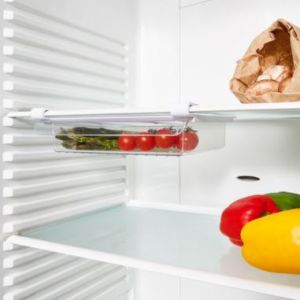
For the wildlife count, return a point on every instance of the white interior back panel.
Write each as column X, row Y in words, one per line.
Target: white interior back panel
column 209, row 37
column 215, row 34
column 158, row 85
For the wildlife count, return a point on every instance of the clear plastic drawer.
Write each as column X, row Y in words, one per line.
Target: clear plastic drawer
column 174, row 139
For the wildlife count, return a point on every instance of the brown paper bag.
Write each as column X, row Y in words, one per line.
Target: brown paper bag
column 278, row 45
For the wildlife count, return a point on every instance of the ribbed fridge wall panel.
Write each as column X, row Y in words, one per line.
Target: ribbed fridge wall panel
column 39, row 156
column 65, row 276
column 24, row 53
column 15, row 33
column 17, row 48
column 27, row 187
column 14, row 189
column 25, row 102
column 14, row 123
column 41, row 217
column 37, row 129
column 27, row 87
column 64, row 168
column 50, row 23
column 94, row 284
column 52, row 277
column 19, row 139
column 77, row 280
column 52, row 75
column 60, row 63
column 22, row 256
column 36, row 268
column 15, row 208
column 53, row 89
column 50, row 62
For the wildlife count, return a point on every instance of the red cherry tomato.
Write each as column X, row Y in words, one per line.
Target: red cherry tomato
column 145, row 141
column 165, row 138
column 188, row 141
column 126, row 142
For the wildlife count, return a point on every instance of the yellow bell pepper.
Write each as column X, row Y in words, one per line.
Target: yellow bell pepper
column 272, row 243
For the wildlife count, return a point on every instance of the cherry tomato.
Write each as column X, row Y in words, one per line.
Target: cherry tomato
column 145, row 141
column 188, row 141
column 165, row 138
column 126, row 142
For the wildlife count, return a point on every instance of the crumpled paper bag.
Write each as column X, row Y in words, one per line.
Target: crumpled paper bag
column 278, row 45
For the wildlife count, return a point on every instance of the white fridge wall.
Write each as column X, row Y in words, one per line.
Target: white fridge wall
column 157, row 178
column 192, row 290
column 152, row 286
column 34, row 184
column 112, row 18
column 267, row 150
column 215, row 34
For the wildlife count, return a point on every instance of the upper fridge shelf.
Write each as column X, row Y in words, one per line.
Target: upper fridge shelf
column 185, row 112
column 170, row 241
column 131, row 132
column 249, row 112
column 182, row 130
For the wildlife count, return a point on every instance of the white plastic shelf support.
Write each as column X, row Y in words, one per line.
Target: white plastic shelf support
column 182, row 244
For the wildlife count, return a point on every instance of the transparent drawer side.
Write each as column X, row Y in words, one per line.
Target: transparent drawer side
column 173, row 138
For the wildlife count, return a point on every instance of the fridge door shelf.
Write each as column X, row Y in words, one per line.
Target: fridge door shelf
column 180, row 243
column 169, row 138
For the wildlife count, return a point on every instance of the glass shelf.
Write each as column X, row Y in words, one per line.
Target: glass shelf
column 184, row 244
column 248, row 112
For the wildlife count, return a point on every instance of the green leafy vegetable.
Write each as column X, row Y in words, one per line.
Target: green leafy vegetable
column 82, row 138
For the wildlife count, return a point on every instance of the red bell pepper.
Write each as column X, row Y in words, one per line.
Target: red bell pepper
column 242, row 211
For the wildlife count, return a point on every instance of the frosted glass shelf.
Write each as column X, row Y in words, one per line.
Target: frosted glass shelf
column 249, row 112
column 183, row 244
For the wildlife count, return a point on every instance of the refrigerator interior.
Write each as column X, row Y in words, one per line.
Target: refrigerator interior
column 151, row 54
